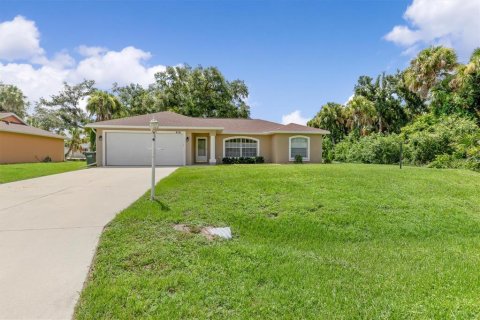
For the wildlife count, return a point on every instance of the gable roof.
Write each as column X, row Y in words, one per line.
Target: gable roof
column 24, row 128
column 172, row 120
column 4, row 115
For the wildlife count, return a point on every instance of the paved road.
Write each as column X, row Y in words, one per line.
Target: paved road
column 49, row 229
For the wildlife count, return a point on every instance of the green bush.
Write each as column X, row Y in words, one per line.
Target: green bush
column 298, row 159
column 375, row 148
column 429, row 137
column 243, row 160
column 327, row 151
column 439, row 142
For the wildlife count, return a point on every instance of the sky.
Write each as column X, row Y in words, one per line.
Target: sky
column 294, row 55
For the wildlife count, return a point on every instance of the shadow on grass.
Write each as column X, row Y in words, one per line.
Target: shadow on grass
column 162, row 205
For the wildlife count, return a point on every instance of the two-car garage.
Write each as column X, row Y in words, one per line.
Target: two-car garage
column 134, row 148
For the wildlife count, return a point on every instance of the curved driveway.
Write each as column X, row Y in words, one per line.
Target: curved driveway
column 49, row 229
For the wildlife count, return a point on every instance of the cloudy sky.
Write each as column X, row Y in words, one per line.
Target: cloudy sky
column 294, row 55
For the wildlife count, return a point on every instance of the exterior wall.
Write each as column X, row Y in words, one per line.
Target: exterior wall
column 274, row 148
column 265, row 146
column 17, row 148
column 190, row 144
column 280, row 147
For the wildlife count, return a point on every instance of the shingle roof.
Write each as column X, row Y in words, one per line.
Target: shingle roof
column 227, row 125
column 24, row 129
column 4, row 115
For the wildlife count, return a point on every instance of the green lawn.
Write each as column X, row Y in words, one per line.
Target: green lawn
column 310, row 241
column 21, row 171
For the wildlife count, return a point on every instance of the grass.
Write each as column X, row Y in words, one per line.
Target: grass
column 310, row 241
column 22, row 171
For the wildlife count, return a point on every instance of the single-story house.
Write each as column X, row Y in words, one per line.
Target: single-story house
column 20, row 142
column 183, row 140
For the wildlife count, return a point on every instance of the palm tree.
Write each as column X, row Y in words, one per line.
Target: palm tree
column 333, row 118
column 104, row 106
column 76, row 139
column 428, row 68
column 361, row 115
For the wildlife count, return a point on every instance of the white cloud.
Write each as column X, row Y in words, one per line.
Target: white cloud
column 87, row 51
column 123, row 67
column 20, row 39
column 294, row 117
column 25, row 64
column 454, row 23
column 34, row 82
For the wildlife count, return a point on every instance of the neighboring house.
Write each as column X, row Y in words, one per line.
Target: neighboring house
column 20, row 142
column 183, row 140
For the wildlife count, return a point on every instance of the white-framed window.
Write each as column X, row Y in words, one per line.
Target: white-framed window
column 299, row 145
column 236, row 147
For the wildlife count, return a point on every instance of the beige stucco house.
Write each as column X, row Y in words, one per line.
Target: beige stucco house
column 20, row 142
column 183, row 140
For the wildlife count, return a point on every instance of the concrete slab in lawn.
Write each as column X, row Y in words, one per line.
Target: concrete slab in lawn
column 49, row 229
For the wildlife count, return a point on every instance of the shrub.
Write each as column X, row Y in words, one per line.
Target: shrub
column 259, row 159
column 47, row 159
column 375, row 148
column 298, row 159
column 242, row 160
column 327, row 151
column 440, row 142
column 429, row 137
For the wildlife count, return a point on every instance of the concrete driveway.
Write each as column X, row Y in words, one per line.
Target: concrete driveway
column 49, row 229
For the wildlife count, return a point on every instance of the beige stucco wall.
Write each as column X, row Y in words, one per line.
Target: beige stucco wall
column 280, row 147
column 17, row 148
column 265, row 145
column 274, row 148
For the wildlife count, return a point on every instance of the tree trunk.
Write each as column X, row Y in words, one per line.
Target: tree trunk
column 69, row 150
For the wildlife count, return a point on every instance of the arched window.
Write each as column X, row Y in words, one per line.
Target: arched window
column 299, row 145
column 237, row 147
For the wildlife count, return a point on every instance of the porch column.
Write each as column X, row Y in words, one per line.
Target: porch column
column 212, row 149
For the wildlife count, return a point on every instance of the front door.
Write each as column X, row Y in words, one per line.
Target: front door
column 201, row 154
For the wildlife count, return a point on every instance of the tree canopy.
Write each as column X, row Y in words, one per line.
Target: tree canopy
column 13, row 100
column 370, row 127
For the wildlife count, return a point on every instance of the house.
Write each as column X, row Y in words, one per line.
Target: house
column 183, row 140
column 20, row 142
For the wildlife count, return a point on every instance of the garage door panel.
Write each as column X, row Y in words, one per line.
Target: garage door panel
column 134, row 149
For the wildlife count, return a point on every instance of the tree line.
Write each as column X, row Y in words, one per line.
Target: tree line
column 432, row 107
column 191, row 91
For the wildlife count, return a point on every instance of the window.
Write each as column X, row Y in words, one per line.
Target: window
column 299, row 146
column 240, row 147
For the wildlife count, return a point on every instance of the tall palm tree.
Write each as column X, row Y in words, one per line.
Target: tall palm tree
column 361, row 115
column 428, row 68
column 333, row 118
column 104, row 106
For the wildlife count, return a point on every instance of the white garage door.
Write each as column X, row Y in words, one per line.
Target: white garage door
column 135, row 149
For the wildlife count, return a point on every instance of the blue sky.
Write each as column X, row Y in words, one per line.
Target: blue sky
column 293, row 55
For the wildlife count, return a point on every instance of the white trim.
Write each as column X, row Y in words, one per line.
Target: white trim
column 213, row 141
column 242, row 137
column 290, row 147
column 196, row 149
column 299, row 132
column 104, row 141
column 125, row 127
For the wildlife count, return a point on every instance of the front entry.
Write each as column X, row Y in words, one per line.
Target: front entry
column 201, row 152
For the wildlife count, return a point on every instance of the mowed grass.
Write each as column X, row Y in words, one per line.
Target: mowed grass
column 310, row 242
column 22, row 171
